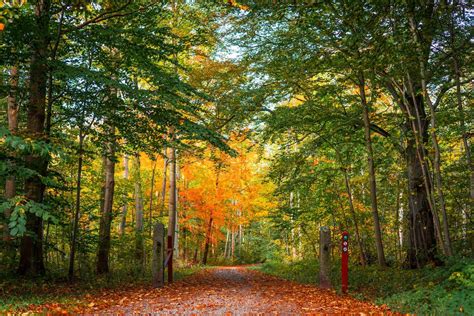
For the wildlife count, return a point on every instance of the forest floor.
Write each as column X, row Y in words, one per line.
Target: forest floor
column 228, row 291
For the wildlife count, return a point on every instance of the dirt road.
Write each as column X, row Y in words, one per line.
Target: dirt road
column 237, row 291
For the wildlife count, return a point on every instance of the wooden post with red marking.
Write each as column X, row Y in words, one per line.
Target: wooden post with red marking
column 345, row 261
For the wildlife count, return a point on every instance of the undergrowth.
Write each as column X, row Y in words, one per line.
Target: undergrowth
column 446, row 290
column 18, row 293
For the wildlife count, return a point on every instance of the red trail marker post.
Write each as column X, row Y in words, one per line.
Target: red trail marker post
column 345, row 261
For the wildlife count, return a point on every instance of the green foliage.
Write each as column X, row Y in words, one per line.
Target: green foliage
column 447, row 290
column 19, row 208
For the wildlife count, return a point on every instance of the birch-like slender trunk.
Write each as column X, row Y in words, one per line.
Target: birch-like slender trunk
column 360, row 242
column 137, row 179
column 372, row 182
column 152, row 189
column 77, row 210
column 107, row 205
column 126, row 171
column 171, row 210
column 163, row 186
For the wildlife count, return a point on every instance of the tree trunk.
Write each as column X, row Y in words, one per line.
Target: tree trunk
column 158, row 256
column 152, row 188
column 398, row 226
column 139, row 246
column 363, row 256
column 107, row 206
column 373, row 185
column 232, row 244
column 468, row 233
column 208, row 240
column 123, row 222
column 226, row 245
column 31, row 248
column 163, row 186
column 12, row 115
column 421, row 234
column 437, row 171
column 437, row 157
column 172, row 207
column 77, row 210
column 324, row 257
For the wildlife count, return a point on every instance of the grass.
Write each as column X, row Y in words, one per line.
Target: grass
column 446, row 290
column 16, row 294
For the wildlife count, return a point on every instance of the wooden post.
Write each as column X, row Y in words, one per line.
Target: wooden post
column 158, row 255
column 324, row 257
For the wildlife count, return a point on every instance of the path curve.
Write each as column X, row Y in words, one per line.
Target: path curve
column 239, row 291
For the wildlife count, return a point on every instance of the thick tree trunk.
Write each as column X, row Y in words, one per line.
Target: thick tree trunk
column 421, row 236
column 77, row 210
column 437, row 156
column 123, row 222
column 107, row 206
column 373, row 185
column 31, row 248
column 437, row 171
column 139, row 246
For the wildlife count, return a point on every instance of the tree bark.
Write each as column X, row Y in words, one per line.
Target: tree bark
column 123, row 222
column 208, row 240
column 324, row 257
column 226, row 245
column 139, row 246
column 421, row 235
column 363, row 256
column 12, row 116
column 434, row 139
column 152, row 188
column 467, row 153
column 437, row 171
column 107, row 207
column 77, row 210
column 373, row 184
column 163, row 186
column 172, row 206
column 31, row 248
column 158, row 256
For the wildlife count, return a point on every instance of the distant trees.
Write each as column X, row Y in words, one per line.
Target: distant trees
column 95, row 79
column 314, row 59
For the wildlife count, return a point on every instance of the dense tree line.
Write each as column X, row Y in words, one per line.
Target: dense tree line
column 119, row 114
column 368, row 105
column 84, row 83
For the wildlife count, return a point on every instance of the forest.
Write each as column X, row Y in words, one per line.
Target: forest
column 245, row 130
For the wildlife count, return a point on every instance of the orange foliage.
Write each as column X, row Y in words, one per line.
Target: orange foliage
column 222, row 187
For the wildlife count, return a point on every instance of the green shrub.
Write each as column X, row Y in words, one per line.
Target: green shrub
column 446, row 290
